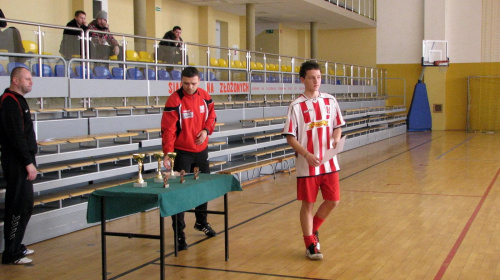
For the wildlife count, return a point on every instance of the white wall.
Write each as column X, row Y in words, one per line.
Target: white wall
column 400, row 31
column 401, row 28
column 463, row 30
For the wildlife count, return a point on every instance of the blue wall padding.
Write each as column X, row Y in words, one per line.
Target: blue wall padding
column 419, row 115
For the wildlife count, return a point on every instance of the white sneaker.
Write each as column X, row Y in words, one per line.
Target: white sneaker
column 313, row 253
column 28, row 252
column 24, row 260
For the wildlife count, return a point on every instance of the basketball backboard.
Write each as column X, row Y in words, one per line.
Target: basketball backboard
column 435, row 53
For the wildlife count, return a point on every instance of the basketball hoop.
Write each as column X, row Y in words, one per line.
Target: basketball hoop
column 442, row 64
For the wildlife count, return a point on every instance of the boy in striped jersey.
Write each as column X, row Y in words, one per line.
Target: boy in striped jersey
column 312, row 127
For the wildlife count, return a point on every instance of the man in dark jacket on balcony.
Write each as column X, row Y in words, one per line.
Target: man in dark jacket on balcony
column 71, row 42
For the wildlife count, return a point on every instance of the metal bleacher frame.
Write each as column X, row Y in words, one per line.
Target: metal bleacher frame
column 137, row 104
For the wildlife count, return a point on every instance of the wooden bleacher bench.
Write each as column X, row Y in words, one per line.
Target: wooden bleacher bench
column 255, row 121
column 219, row 143
column 251, row 166
column 264, row 152
column 143, row 106
column 261, row 136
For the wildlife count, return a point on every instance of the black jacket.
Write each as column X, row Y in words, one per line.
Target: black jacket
column 17, row 135
column 169, row 36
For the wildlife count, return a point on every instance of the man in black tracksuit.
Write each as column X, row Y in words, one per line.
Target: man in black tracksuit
column 19, row 147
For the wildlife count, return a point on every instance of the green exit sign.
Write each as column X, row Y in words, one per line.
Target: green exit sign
column 158, row 9
column 269, row 31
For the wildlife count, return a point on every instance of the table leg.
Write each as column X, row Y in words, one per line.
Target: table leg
column 162, row 249
column 226, row 233
column 176, row 238
column 103, row 239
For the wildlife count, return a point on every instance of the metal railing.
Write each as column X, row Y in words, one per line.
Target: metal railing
column 366, row 8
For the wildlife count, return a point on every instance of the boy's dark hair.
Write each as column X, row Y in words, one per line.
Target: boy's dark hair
column 176, row 27
column 308, row 65
column 77, row 13
column 190, row 72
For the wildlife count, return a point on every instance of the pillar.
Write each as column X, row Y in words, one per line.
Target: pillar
column 250, row 26
column 314, row 40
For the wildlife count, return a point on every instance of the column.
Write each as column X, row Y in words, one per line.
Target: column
column 314, row 40
column 250, row 26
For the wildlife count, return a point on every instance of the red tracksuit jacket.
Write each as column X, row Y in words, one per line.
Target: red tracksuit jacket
column 184, row 117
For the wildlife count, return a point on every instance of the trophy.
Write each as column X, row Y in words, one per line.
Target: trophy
column 182, row 176
column 140, row 159
column 196, row 173
column 171, row 156
column 159, row 157
column 165, row 179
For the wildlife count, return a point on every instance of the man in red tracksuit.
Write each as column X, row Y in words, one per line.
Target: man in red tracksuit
column 188, row 119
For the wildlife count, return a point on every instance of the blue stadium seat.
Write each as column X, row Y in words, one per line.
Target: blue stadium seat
column 2, row 71
column 13, row 65
column 46, row 70
column 175, row 75
column 59, row 70
column 202, row 77
column 150, row 73
column 102, row 72
column 117, row 73
column 212, row 76
column 80, row 74
column 256, row 78
column 163, row 75
column 134, row 74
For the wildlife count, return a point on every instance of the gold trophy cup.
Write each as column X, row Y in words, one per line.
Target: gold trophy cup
column 140, row 159
column 172, row 156
column 159, row 157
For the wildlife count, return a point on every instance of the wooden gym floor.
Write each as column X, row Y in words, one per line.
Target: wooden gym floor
column 416, row 206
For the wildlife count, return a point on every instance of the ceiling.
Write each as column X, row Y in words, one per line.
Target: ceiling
column 296, row 14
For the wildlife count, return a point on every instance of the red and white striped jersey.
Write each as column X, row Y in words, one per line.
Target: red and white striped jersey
column 312, row 122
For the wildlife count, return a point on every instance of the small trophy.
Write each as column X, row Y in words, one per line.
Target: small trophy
column 159, row 157
column 140, row 159
column 182, row 176
column 172, row 156
column 165, row 179
column 196, row 173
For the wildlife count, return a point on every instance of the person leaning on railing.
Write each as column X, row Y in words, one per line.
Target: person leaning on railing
column 10, row 40
column 71, row 44
column 103, row 45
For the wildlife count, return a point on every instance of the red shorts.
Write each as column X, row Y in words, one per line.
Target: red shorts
column 308, row 187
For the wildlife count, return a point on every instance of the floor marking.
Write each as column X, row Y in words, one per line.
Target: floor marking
column 464, row 232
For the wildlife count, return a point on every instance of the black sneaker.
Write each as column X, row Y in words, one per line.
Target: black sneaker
column 181, row 244
column 207, row 229
column 313, row 253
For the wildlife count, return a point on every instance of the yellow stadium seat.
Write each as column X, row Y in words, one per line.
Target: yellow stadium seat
column 132, row 55
column 3, row 50
column 297, row 69
column 253, row 66
column 289, row 68
column 238, row 64
column 330, row 71
column 244, row 64
column 214, row 62
column 222, row 62
column 283, row 68
column 113, row 57
column 260, row 66
column 233, row 65
column 144, row 57
column 30, row 46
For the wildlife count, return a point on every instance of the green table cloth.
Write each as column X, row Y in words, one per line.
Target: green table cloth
column 126, row 199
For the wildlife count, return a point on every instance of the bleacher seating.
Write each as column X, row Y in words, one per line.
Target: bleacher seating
column 2, row 71
column 46, row 70
column 134, row 74
column 150, row 74
column 12, row 65
column 175, row 75
column 101, row 72
column 163, row 75
column 117, row 73
column 80, row 74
